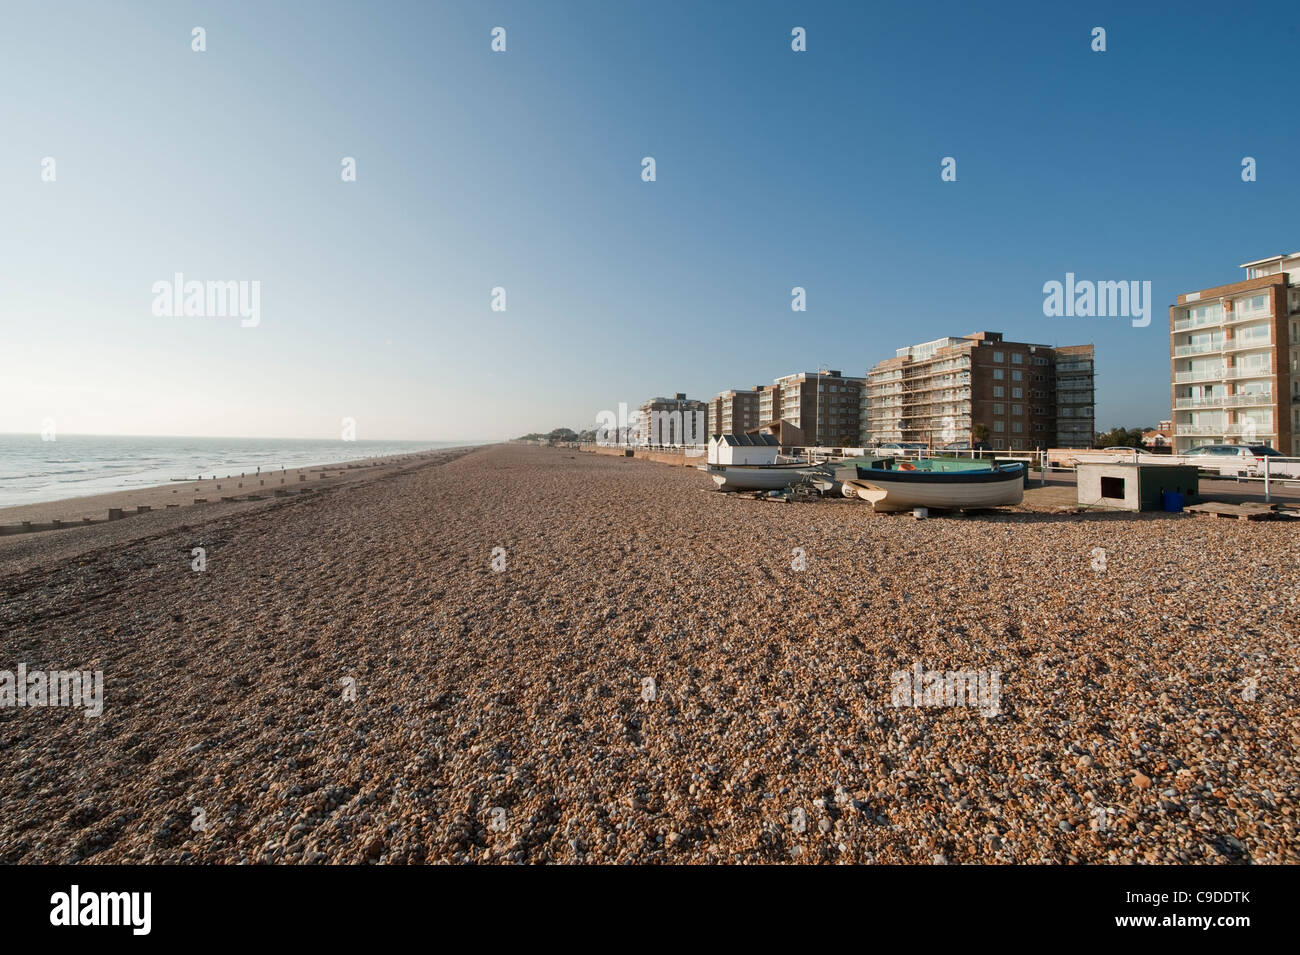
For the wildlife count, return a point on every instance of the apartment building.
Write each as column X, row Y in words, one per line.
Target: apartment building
column 672, row 421
column 1233, row 353
column 1011, row 395
column 1075, row 397
column 769, row 404
column 823, row 405
column 734, row 412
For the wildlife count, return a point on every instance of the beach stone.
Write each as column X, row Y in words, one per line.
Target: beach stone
column 520, row 690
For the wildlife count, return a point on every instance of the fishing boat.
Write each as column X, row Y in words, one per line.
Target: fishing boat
column 764, row 477
column 938, row 483
column 834, row 477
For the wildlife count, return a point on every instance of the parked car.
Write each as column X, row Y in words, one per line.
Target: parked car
column 1241, row 460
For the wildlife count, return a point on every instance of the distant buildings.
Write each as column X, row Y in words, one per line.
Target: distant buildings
column 803, row 409
column 822, row 406
column 672, row 421
column 1161, row 437
column 981, row 389
column 734, row 412
column 1233, row 360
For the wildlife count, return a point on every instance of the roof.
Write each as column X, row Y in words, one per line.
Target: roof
column 1271, row 258
column 748, row 440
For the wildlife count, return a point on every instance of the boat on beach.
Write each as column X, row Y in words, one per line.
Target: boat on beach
column 754, row 462
column 834, row 476
column 765, row 477
column 938, row 483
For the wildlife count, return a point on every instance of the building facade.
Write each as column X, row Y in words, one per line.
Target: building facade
column 734, row 412
column 672, row 422
column 1075, row 396
column 769, row 404
column 1010, row 395
column 1160, row 437
column 1233, row 360
column 823, row 406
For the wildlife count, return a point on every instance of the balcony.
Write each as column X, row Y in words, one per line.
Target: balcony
column 1224, row 345
column 1221, row 374
column 1231, row 318
column 1199, row 431
column 1183, row 324
column 1181, row 351
column 1226, row 401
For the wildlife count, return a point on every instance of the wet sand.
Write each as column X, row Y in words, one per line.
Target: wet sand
column 209, row 490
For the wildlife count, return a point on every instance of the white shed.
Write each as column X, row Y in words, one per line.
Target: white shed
column 743, row 449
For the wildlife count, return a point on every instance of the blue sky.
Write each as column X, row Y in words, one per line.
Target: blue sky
column 522, row 170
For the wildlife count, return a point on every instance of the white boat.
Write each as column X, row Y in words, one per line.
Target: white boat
column 762, row 477
column 834, row 479
column 941, row 484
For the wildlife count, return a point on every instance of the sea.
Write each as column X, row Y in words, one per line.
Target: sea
column 33, row 470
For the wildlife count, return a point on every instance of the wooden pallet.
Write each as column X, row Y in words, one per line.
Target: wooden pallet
column 1248, row 511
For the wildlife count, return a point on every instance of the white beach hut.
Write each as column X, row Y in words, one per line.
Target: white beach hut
column 743, row 449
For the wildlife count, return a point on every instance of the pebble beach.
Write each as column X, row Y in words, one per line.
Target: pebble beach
column 534, row 655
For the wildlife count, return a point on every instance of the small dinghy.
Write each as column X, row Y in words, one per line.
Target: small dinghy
column 764, row 477
column 833, row 476
column 938, row 483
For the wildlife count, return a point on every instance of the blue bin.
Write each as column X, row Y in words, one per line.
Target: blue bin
column 1171, row 501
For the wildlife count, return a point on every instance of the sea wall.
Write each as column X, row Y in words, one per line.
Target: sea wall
column 678, row 458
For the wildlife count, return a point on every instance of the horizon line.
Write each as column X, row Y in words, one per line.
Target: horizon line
column 248, row 437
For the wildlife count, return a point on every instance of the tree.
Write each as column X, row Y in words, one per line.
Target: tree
column 1121, row 438
column 554, row 435
column 979, row 434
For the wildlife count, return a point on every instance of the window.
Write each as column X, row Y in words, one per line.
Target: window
column 999, row 426
column 1255, row 303
column 1017, row 409
column 1017, row 392
column 997, row 374
column 1017, row 375
column 1017, row 426
column 999, row 444
column 997, row 356
column 1017, row 358
column 997, row 391
column 999, row 408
